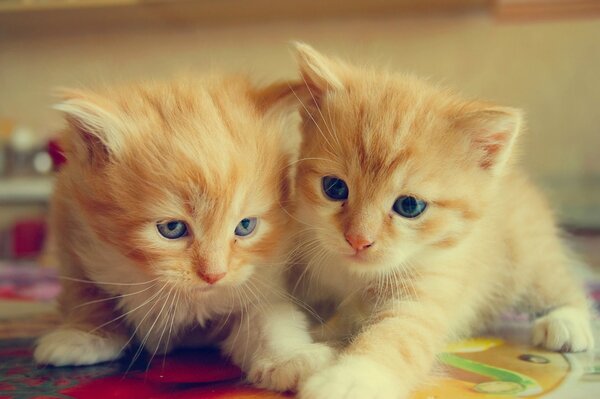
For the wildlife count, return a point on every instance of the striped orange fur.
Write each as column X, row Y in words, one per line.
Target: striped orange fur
column 487, row 240
column 208, row 152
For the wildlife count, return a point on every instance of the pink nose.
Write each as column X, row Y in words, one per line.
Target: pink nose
column 211, row 278
column 358, row 242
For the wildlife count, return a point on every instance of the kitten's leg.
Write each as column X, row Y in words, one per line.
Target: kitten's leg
column 78, row 340
column 391, row 356
column 546, row 280
column 565, row 325
column 333, row 330
column 341, row 326
column 564, row 329
column 271, row 343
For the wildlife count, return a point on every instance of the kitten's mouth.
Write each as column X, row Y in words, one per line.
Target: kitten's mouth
column 364, row 260
column 205, row 288
column 360, row 257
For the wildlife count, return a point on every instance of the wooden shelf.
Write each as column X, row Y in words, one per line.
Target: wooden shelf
column 232, row 6
column 40, row 5
column 78, row 18
column 545, row 9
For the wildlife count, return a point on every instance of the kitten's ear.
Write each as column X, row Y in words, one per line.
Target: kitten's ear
column 278, row 102
column 492, row 133
column 278, row 97
column 318, row 72
column 93, row 136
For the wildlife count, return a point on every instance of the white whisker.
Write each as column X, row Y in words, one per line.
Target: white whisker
column 104, row 282
column 114, row 297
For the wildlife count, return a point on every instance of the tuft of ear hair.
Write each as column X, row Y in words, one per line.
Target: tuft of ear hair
column 318, row 72
column 94, row 126
column 492, row 132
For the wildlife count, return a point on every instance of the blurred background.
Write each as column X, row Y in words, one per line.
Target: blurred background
column 539, row 55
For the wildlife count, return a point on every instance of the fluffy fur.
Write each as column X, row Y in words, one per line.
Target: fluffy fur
column 486, row 242
column 203, row 151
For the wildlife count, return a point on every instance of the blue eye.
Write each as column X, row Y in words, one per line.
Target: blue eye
column 245, row 227
column 409, row 207
column 172, row 229
column 336, row 189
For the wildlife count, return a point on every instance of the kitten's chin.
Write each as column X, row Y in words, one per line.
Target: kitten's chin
column 367, row 264
column 363, row 263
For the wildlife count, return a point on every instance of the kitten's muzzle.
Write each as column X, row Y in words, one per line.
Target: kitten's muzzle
column 209, row 270
column 211, row 278
column 358, row 242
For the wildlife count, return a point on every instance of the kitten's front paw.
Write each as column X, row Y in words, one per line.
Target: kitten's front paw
column 284, row 372
column 73, row 347
column 353, row 377
column 564, row 329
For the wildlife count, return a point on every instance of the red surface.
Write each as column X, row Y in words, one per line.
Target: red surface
column 188, row 374
column 189, row 367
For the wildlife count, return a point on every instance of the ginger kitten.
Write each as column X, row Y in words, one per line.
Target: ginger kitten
column 418, row 227
column 168, row 228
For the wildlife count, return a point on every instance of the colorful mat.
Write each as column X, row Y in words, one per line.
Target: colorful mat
column 503, row 366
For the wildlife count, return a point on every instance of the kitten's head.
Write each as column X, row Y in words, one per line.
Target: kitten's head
column 183, row 178
column 391, row 166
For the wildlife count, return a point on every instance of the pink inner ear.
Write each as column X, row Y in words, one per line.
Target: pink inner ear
column 313, row 94
column 96, row 150
column 491, row 145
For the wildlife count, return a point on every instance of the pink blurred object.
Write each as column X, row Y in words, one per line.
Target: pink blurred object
column 27, row 281
column 27, row 238
column 56, row 154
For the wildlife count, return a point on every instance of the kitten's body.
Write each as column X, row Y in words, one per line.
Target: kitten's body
column 198, row 151
column 404, row 286
column 488, row 261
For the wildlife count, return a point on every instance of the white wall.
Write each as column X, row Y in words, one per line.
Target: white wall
column 550, row 69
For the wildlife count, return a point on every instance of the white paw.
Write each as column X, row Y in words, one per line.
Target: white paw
column 354, row 377
column 564, row 329
column 73, row 347
column 284, row 372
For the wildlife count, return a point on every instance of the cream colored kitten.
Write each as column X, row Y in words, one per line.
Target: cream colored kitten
column 418, row 227
column 168, row 227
